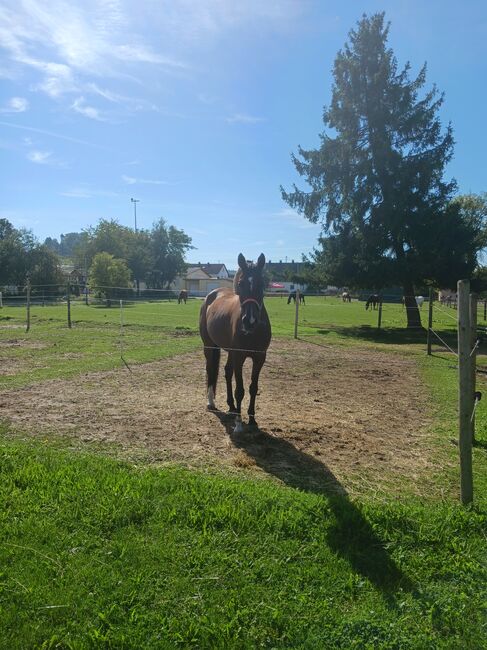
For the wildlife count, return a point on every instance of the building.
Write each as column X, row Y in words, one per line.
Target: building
column 200, row 279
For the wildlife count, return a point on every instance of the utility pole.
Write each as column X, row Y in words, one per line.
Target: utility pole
column 135, row 201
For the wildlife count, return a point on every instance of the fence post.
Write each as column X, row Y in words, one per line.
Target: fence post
column 473, row 358
column 1, row 300
column 28, row 304
column 121, row 329
column 379, row 320
column 430, row 321
column 296, row 316
column 485, row 309
column 69, row 305
column 465, row 392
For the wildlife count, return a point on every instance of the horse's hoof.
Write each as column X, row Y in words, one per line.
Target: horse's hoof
column 252, row 422
column 211, row 407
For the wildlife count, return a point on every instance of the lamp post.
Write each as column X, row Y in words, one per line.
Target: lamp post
column 135, row 201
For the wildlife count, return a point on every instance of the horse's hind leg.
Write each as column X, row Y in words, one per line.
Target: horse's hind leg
column 228, row 378
column 212, row 365
column 258, row 362
column 238, row 361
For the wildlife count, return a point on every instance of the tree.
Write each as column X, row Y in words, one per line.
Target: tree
column 168, row 248
column 21, row 254
column 106, row 271
column 376, row 181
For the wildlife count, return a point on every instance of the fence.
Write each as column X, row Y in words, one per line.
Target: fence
column 386, row 312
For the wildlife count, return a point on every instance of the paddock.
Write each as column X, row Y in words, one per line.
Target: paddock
column 358, row 413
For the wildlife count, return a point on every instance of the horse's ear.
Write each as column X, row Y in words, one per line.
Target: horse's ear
column 261, row 261
column 242, row 262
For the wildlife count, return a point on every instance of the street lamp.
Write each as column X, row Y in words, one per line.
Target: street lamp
column 135, row 201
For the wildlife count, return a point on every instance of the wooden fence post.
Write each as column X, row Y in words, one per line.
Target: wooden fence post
column 68, row 297
column 485, row 309
column 465, row 392
column 296, row 316
column 430, row 321
column 379, row 319
column 28, row 304
column 1, row 300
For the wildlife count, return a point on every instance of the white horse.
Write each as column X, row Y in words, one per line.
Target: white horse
column 419, row 301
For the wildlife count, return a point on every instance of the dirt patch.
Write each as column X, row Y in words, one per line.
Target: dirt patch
column 22, row 343
column 327, row 416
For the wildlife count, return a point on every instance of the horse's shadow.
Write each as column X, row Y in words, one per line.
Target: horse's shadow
column 350, row 536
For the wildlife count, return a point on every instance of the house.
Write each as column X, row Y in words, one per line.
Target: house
column 200, row 279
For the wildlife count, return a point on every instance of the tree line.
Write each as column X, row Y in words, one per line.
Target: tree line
column 109, row 254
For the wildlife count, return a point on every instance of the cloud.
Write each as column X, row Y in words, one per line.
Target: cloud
column 69, row 43
column 85, row 192
column 39, row 157
column 51, row 134
column 80, row 106
column 130, row 180
column 244, row 118
column 15, row 105
column 293, row 218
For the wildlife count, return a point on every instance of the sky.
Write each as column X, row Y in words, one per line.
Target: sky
column 194, row 107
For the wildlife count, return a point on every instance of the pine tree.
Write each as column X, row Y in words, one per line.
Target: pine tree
column 377, row 183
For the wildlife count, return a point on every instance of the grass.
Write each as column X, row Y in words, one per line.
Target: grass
column 97, row 552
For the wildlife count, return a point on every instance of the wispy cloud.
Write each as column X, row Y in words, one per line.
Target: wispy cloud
column 15, row 105
column 85, row 192
column 51, row 134
column 68, row 43
column 244, row 118
column 130, row 180
column 291, row 217
column 39, row 157
column 80, row 106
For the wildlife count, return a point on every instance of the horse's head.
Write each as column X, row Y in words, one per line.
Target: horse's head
column 249, row 286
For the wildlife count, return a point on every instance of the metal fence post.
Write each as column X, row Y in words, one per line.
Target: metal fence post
column 465, row 392
column 68, row 297
column 28, row 304
column 296, row 316
column 430, row 321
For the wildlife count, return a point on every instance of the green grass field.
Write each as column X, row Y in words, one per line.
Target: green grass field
column 102, row 552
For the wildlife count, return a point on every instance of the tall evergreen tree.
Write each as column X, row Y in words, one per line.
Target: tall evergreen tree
column 377, row 183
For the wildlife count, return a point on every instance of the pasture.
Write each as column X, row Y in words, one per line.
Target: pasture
column 135, row 518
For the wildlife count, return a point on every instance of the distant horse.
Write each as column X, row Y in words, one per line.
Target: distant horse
column 183, row 295
column 373, row 301
column 236, row 321
column 346, row 297
column 419, row 301
column 292, row 296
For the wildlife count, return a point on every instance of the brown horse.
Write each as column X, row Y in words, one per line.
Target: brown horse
column 373, row 301
column 236, row 321
column 183, row 295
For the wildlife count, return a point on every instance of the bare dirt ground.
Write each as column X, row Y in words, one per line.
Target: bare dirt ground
column 328, row 417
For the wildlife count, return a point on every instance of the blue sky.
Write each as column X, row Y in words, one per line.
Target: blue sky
column 194, row 107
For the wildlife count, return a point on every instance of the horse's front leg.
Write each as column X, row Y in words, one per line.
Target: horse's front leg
column 258, row 362
column 228, row 378
column 238, row 361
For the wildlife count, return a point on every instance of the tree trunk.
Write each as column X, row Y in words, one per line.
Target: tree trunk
column 412, row 309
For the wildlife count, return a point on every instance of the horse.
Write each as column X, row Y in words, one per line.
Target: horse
column 419, row 301
column 346, row 297
column 236, row 321
column 372, row 301
column 292, row 296
column 183, row 295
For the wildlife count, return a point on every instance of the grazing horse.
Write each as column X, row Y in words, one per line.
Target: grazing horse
column 346, row 297
column 372, row 301
column 236, row 321
column 419, row 301
column 183, row 295
column 292, row 296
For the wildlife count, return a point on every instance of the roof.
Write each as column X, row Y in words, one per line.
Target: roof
column 211, row 269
